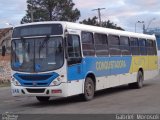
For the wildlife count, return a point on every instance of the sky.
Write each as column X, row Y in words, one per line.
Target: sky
column 124, row 13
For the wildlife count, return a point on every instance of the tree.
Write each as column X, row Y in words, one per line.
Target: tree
column 90, row 21
column 106, row 24
column 51, row 10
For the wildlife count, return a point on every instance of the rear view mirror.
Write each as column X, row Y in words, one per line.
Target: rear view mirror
column 3, row 50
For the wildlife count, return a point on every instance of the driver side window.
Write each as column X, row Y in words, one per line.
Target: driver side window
column 74, row 51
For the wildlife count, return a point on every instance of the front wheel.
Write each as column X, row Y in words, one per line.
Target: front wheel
column 89, row 89
column 42, row 99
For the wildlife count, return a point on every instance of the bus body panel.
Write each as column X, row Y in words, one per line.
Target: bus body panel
column 114, row 71
column 100, row 67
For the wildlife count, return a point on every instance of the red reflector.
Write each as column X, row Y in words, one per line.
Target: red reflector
column 56, row 91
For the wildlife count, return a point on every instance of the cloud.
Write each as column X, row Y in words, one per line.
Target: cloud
column 124, row 13
column 12, row 11
column 89, row 4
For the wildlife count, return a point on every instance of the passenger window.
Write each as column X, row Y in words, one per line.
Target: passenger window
column 134, row 46
column 150, row 48
column 158, row 41
column 154, row 47
column 124, row 45
column 114, row 45
column 142, row 46
column 74, row 51
column 101, row 46
column 88, row 44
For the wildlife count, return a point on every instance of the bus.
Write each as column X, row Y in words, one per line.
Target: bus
column 62, row 59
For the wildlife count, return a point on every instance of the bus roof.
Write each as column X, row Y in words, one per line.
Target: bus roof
column 77, row 26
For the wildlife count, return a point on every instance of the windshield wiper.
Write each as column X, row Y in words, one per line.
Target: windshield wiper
column 23, row 40
column 44, row 43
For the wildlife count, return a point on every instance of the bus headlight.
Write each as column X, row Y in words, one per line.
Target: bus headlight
column 15, row 82
column 56, row 82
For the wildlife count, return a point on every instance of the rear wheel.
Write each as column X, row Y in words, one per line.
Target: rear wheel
column 42, row 99
column 89, row 89
column 139, row 83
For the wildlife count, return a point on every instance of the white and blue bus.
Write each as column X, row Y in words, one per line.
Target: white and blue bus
column 61, row 59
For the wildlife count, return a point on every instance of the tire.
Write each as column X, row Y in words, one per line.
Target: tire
column 89, row 89
column 139, row 83
column 140, row 79
column 42, row 99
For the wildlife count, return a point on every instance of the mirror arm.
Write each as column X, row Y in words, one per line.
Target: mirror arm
column 66, row 47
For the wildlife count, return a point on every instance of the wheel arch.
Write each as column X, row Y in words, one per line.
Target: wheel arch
column 91, row 75
column 141, row 69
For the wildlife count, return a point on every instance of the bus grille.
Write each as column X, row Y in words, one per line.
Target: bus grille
column 35, row 90
column 37, row 84
column 35, row 77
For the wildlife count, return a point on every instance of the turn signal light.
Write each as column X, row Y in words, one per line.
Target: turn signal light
column 56, row 91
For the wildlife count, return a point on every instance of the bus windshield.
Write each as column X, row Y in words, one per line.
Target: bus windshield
column 37, row 54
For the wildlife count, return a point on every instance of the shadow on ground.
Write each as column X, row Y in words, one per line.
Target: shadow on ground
column 78, row 99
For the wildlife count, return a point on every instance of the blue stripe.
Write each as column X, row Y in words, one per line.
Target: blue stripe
column 100, row 66
column 35, row 83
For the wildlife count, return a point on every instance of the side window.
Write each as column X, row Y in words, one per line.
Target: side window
column 74, row 51
column 154, row 47
column 114, row 45
column 101, row 46
column 158, row 41
column 124, row 45
column 150, row 48
column 142, row 46
column 134, row 46
column 88, row 44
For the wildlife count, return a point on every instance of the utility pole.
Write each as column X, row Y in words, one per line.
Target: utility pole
column 142, row 22
column 99, row 14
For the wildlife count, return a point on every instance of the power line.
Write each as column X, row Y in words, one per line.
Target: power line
column 99, row 14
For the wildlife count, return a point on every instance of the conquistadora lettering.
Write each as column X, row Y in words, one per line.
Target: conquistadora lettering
column 107, row 65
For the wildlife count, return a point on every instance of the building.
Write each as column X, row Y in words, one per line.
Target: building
column 5, row 38
column 155, row 31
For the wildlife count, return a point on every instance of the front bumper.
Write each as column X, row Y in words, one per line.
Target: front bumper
column 40, row 91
